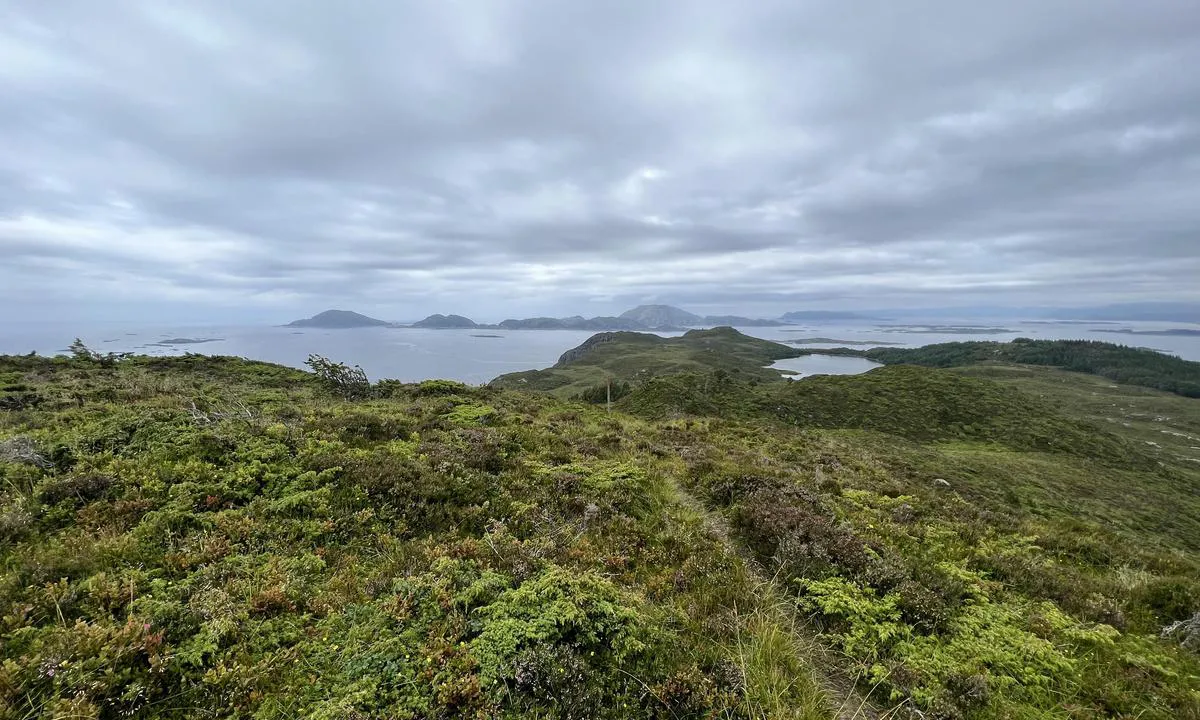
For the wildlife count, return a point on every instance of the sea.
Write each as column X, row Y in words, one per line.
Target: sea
column 477, row 356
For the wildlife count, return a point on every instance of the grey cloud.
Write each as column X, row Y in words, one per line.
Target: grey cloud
column 267, row 155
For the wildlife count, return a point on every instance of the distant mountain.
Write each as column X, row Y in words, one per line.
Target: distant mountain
column 338, row 319
column 820, row 315
column 537, row 323
column 608, row 322
column 576, row 322
column 439, row 321
column 739, row 321
column 641, row 318
column 662, row 316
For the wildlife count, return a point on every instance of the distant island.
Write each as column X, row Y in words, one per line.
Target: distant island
column 719, row 320
column 578, row 322
column 458, row 322
column 446, row 321
column 1174, row 332
column 945, row 329
column 661, row 318
column 820, row 316
column 834, row 341
column 641, row 318
column 337, row 320
column 171, row 342
column 666, row 316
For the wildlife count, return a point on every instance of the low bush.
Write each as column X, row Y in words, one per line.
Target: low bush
column 348, row 382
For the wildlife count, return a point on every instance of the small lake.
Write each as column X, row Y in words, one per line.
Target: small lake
column 824, row 365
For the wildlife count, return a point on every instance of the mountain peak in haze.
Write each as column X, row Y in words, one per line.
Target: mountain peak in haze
column 337, row 319
column 439, row 321
column 659, row 316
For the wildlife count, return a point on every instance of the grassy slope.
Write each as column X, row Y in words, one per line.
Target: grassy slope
column 1166, row 424
column 913, row 402
column 442, row 551
column 1059, row 521
column 978, row 600
column 628, row 356
column 202, row 537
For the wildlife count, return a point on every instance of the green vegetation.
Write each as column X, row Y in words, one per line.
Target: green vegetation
column 195, row 536
column 969, row 565
column 1135, row 366
column 82, row 352
column 632, row 357
column 912, row 402
column 1160, row 424
column 339, row 378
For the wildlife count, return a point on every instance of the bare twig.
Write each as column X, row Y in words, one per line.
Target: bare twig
column 21, row 449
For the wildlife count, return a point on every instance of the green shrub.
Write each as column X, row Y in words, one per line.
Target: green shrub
column 605, row 392
column 83, row 354
column 561, row 637
column 347, row 382
column 434, row 388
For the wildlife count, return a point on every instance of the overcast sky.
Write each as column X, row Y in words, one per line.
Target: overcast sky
column 267, row 160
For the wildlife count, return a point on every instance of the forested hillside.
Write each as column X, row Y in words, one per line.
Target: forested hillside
column 1136, row 366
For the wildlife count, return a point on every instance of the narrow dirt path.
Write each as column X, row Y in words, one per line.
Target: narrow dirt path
column 846, row 702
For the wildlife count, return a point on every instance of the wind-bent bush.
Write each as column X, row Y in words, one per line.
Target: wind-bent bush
column 349, row 382
column 83, row 353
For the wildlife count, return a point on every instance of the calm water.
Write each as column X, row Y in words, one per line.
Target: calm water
column 416, row 354
column 403, row 354
column 824, row 365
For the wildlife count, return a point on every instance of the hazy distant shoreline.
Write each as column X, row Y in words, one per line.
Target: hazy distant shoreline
column 1169, row 332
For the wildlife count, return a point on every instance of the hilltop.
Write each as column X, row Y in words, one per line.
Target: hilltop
column 338, row 319
column 197, row 536
column 446, row 322
column 629, row 357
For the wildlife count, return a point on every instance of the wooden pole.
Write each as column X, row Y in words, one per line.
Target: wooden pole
column 608, row 395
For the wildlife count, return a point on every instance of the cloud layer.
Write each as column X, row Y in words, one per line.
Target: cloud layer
column 509, row 157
